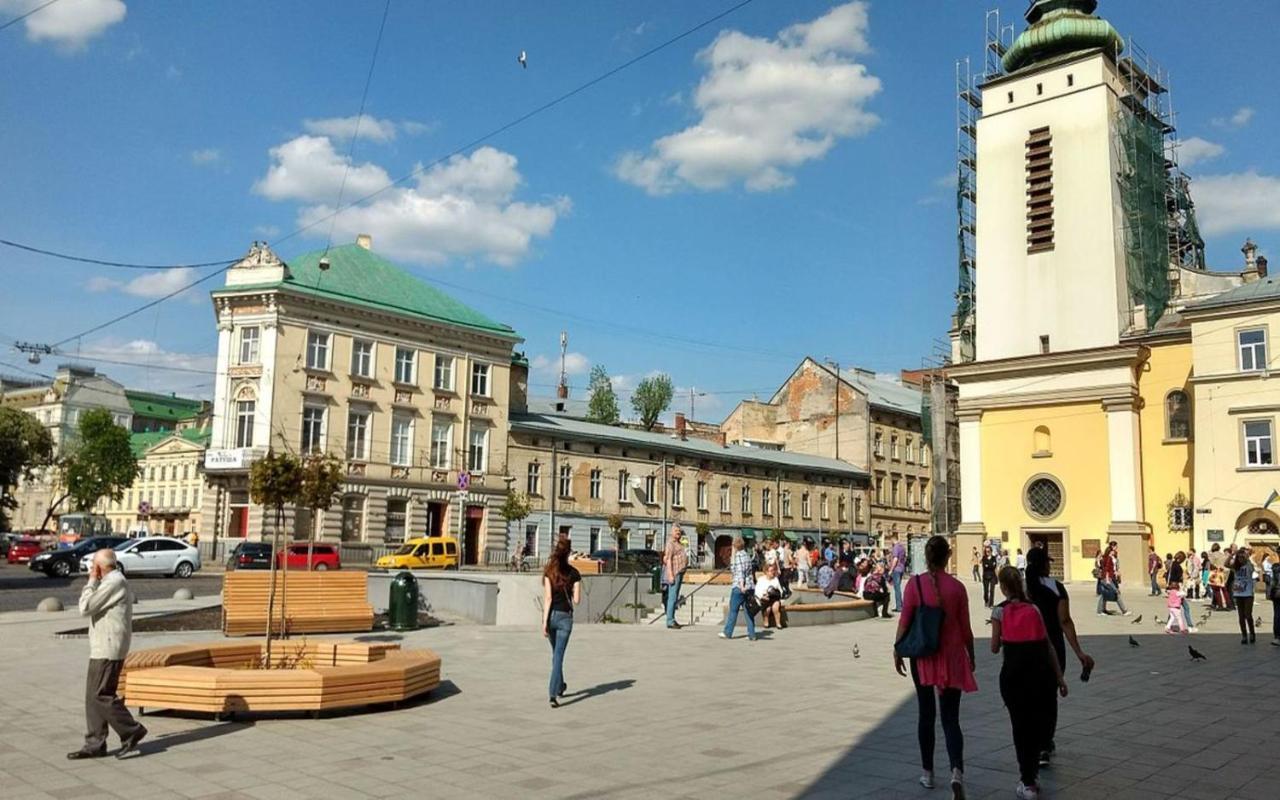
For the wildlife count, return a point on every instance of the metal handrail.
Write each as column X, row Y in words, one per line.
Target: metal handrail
column 704, row 585
column 635, row 577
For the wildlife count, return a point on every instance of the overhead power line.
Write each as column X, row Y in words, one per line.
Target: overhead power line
column 140, row 309
column 120, row 264
column 21, row 17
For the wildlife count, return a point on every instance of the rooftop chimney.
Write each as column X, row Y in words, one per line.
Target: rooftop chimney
column 720, row 439
column 1250, row 251
column 365, row 241
column 681, row 429
column 1262, row 266
column 562, row 391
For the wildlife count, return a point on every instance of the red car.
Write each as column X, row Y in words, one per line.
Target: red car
column 323, row 556
column 23, row 550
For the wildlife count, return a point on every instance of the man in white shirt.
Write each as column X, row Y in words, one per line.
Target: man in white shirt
column 108, row 603
column 769, row 593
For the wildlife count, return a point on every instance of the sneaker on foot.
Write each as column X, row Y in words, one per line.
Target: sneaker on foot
column 957, row 785
column 1025, row 792
column 926, row 780
column 1193, row 630
column 1045, row 758
column 1126, row 613
column 723, row 635
column 1275, row 642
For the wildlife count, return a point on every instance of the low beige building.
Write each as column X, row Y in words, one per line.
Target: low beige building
column 341, row 351
column 166, row 495
column 578, row 474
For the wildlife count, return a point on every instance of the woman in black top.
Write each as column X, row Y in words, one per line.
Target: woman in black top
column 1051, row 598
column 561, row 591
column 989, row 564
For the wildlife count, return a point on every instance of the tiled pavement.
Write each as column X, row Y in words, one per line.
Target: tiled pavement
column 676, row 714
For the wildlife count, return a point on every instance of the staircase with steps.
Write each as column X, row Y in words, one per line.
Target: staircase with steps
column 707, row 609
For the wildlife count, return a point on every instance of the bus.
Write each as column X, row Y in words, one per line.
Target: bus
column 74, row 527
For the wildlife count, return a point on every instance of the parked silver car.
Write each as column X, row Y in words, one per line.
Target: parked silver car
column 154, row 555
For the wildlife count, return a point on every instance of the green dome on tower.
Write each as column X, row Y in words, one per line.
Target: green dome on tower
column 1060, row 27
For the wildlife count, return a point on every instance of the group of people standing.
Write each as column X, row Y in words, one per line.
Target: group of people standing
column 1032, row 627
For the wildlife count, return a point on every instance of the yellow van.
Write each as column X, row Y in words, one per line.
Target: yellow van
column 432, row 552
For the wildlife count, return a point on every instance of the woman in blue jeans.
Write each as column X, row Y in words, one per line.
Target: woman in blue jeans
column 744, row 582
column 561, row 591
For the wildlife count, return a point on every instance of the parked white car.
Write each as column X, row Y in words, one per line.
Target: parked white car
column 154, row 555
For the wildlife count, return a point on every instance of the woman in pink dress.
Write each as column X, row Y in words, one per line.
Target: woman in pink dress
column 942, row 677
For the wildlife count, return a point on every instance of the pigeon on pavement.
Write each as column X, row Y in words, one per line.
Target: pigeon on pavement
column 1136, row 620
column 855, row 651
column 1196, row 655
column 1133, row 642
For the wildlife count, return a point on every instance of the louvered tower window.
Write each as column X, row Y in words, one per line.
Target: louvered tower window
column 1039, row 191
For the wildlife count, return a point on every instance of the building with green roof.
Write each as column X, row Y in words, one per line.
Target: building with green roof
column 163, row 412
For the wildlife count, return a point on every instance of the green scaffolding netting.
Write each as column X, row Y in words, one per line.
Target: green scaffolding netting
column 1144, row 179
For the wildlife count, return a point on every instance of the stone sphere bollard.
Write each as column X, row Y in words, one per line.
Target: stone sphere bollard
column 183, row 594
column 50, row 604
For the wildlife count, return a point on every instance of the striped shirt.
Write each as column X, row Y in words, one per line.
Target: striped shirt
column 740, row 566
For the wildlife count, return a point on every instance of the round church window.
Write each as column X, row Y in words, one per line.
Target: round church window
column 1043, row 497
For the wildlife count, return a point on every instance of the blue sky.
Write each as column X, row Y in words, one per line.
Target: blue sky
column 716, row 233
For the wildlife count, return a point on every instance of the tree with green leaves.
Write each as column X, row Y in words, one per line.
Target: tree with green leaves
column 25, row 448
column 320, row 485
column 652, row 397
column 96, row 463
column 515, row 508
column 602, row 404
column 615, row 523
column 275, row 481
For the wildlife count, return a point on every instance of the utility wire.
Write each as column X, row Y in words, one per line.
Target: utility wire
column 21, row 17
column 140, row 309
column 120, row 264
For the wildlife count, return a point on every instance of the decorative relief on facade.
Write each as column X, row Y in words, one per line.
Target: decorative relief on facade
column 480, row 409
column 360, row 390
column 403, row 396
column 442, row 403
column 400, row 473
column 252, row 371
column 439, row 476
column 356, row 468
column 315, row 383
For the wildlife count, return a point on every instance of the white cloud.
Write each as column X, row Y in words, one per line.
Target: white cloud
column 417, row 128
column 69, row 24
column 768, row 106
column 206, row 156
column 173, row 73
column 463, row 208
column 343, row 128
column 1195, row 150
column 943, row 188
column 151, row 284
column 1242, row 201
column 266, row 231
column 574, row 364
column 1239, row 119
column 168, row 370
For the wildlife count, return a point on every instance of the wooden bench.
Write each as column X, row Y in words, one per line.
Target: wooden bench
column 585, row 566
column 315, row 602
column 215, row 678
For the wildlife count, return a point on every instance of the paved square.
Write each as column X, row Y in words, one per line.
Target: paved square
column 656, row 713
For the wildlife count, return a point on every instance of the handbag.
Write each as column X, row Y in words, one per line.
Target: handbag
column 1109, row 593
column 924, row 635
column 750, row 602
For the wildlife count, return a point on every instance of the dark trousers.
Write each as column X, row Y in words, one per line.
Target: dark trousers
column 988, row 589
column 1244, row 610
column 1275, row 619
column 881, row 600
column 928, row 699
column 102, row 708
column 1028, row 695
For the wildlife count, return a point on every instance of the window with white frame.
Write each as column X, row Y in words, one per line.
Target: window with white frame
column 478, row 450
column 893, row 447
column 623, row 479
column 1257, row 443
column 786, row 502
column 677, row 492
column 594, row 484
column 841, row 514
column 317, row 350
column 857, row 510
column 823, row 507
column 880, row 491
column 480, row 380
column 1252, row 344
column 924, row 493
column 244, row 422
column 805, row 508
column 893, row 493
column 766, row 502
column 566, row 481
column 358, row 434
column 249, row 341
column 911, row 450
column 746, row 500
column 924, row 455
column 441, row 443
column 651, row 489
column 533, row 479
column 879, row 444
column 362, row 358
column 593, row 539
column 724, row 498
column 401, row 440
column 406, row 362
column 702, row 495
column 444, row 373
column 313, row 429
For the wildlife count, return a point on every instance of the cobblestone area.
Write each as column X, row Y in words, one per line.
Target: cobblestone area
column 657, row 713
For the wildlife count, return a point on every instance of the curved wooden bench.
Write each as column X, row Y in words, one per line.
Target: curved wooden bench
column 315, row 602
column 216, row 678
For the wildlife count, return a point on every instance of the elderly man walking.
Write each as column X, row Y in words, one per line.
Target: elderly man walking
column 675, row 560
column 108, row 604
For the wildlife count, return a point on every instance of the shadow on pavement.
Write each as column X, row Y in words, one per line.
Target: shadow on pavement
column 595, row 691
column 162, row 743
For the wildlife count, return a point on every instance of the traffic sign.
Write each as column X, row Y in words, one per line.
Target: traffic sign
column 464, row 480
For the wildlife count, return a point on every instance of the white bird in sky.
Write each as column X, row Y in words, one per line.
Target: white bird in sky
column 523, row 59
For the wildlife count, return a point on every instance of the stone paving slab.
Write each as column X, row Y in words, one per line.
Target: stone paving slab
column 673, row 714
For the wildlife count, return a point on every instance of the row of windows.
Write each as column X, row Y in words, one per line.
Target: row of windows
column 319, row 356
column 595, row 491
column 166, row 472
column 156, row 498
column 360, row 426
column 916, row 497
column 909, row 450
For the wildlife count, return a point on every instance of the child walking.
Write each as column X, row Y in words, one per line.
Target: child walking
column 1174, row 599
column 1027, row 677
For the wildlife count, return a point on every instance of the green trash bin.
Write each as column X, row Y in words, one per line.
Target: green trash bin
column 655, row 580
column 402, row 607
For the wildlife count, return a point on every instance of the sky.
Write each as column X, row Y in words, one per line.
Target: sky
column 774, row 185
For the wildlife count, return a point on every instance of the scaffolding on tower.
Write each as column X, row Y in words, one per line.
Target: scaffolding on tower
column 1160, row 233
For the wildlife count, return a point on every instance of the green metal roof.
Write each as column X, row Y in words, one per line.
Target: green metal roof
column 140, row 443
column 1059, row 27
column 1255, row 291
column 162, row 406
column 362, row 277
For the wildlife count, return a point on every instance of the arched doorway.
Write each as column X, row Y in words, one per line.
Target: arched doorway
column 724, row 550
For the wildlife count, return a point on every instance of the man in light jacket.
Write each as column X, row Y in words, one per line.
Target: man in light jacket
column 108, row 603
column 675, row 560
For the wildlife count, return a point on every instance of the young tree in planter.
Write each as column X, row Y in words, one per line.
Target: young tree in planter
column 651, row 397
column 274, row 482
column 97, row 464
column 321, row 483
column 615, row 524
column 515, row 509
column 602, row 404
column 25, row 447
column 704, row 534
